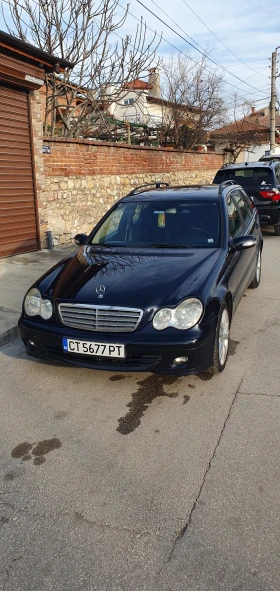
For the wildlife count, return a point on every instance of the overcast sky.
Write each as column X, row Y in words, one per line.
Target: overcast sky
column 250, row 29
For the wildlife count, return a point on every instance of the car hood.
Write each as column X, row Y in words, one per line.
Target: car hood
column 131, row 278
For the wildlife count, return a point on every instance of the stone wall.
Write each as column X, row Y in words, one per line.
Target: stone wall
column 83, row 179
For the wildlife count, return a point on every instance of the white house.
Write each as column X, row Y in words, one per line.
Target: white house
column 139, row 101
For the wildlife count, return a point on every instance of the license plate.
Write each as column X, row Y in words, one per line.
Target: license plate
column 89, row 348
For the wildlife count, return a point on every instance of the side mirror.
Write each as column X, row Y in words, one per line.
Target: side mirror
column 243, row 242
column 80, row 239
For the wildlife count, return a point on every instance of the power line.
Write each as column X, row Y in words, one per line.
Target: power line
column 212, row 33
column 182, row 52
column 173, row 46
column 202, row 53
column 73, row 28
column 264, row 59
column 193, row 40
column 259, row 73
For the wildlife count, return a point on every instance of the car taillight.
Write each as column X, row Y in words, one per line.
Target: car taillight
column 273, row 195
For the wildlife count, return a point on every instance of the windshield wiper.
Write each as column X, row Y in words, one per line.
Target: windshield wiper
column 169, row 246
column 101, row 245
column 127, row 245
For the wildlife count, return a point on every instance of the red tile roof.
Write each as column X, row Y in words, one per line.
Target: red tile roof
column 259, row 121
column 137, row 85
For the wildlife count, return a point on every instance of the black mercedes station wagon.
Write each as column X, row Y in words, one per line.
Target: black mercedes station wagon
column 153, row 287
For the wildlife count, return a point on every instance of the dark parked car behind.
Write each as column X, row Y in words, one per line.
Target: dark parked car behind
column 261, row 180
column 155, row 285
column 270, row 158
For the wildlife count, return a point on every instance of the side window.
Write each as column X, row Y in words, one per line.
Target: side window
column 243, row 205
column 249, row 202
column 277, row 173
column 235, row 223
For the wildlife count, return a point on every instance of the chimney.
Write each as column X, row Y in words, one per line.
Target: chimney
column 154, row 82
column 253, row 110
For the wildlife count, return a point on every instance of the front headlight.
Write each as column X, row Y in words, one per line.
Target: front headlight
column 34, row 305
column 46, row 309
column 32, row 302
column 185, row 316
column 162, row 319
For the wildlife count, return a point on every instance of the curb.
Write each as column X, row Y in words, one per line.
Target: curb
column 8, row 336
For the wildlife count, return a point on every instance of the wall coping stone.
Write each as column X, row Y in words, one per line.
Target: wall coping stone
column 62, row 140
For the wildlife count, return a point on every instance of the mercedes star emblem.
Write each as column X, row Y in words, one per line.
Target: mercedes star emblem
column 100, row 290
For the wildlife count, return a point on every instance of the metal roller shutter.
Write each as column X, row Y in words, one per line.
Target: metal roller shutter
column 18, row 227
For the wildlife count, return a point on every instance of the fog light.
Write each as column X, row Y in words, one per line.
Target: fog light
column 180, row 360
column 31, row 344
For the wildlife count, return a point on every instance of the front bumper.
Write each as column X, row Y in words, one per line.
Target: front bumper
column 145, row 350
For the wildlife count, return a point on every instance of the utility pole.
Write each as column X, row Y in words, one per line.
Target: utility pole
column 273, row 102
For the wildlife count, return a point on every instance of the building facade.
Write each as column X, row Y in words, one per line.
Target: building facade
column 22, row 73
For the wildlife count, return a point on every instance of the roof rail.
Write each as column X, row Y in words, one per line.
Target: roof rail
column 157, row 185
column 225, row 184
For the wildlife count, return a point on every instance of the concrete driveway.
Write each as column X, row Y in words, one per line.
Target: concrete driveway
column 17, row 274
column 135, row 482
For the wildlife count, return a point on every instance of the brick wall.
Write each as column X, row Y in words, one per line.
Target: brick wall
column 36, row 120
column 83, row 179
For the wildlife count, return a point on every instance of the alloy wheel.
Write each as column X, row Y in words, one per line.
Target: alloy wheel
column 223, row 337
column 258, row 269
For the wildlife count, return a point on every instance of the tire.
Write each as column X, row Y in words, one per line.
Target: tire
column 221, row 344
column 277, row 230
column 258, row 271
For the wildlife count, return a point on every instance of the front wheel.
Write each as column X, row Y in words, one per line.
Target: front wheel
column 277, row 230
column 221, row 341
column 258, row 271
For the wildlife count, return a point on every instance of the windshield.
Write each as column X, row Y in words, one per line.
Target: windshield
column 162, row 224
column 246, row 177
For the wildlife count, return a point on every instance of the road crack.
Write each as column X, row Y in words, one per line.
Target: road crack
column 107, row 526
column 259, row 394
column 184, row 529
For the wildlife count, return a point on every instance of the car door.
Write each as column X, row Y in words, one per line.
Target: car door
column 235, row 259
column 250, row 223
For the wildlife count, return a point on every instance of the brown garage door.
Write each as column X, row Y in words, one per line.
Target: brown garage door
column 18, row 228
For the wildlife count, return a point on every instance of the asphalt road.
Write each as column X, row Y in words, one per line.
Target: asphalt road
column 121, row 482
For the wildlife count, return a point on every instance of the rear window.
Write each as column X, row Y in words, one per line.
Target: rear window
column 246, row 177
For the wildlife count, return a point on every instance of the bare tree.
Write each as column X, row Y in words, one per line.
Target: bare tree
column 194, row 100
column 243, row 130
column 82, row 32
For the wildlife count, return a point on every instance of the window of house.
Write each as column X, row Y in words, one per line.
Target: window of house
column 128, row 101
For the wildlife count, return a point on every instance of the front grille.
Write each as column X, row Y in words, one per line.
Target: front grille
column 100, row 318
column 131, row 361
